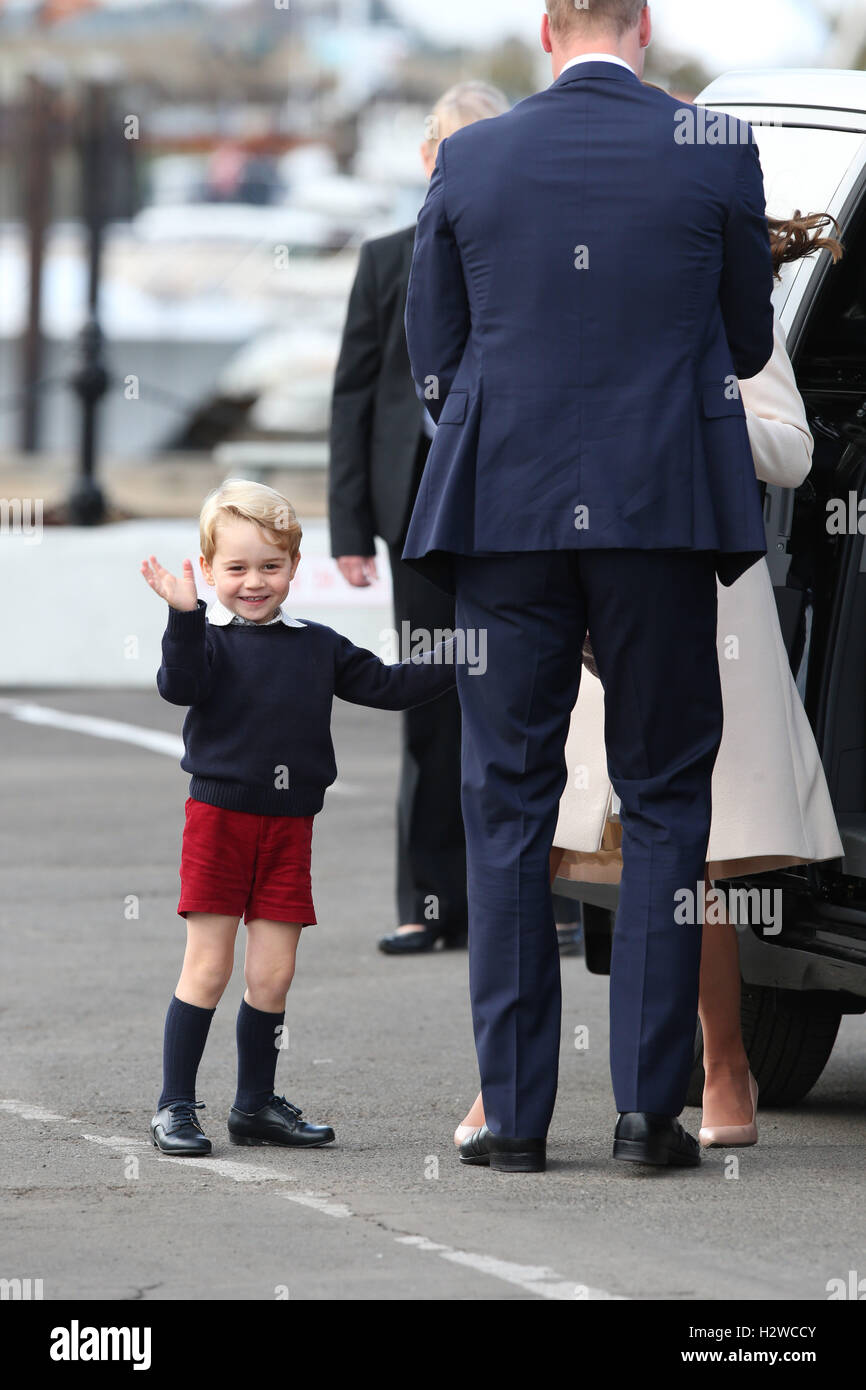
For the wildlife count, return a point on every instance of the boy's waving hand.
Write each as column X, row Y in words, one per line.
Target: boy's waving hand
column 178, row 593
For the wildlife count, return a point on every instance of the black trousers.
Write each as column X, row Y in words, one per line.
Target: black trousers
column 431, row 848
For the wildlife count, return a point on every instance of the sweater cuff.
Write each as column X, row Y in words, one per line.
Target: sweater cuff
column 184, row 624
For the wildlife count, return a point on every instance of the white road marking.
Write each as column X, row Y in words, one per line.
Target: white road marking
column 319, row 1201
column 537, row 1280
column 117, row 1141
column 27, row 1111
column 229, row 1168
column 154, row 740
column 238, row 1172
column 225, row 1167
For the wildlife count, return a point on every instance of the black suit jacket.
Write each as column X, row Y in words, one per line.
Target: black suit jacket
column 376, row 416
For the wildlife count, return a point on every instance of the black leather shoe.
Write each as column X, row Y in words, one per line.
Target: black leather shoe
column 641, row 1137
column 278, row 1122
column 175, row 1130
column 505, row 1155
column 416, row 943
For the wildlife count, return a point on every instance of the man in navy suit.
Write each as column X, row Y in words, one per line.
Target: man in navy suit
column 591, row 276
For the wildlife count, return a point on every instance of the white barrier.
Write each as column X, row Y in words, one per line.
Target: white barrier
column 77, row 612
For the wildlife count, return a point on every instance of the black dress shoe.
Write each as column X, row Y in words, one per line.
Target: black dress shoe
column 278, row 1122
column 416, row 943
column 505, row 1155
column 175, row 1130
column 641, row 1137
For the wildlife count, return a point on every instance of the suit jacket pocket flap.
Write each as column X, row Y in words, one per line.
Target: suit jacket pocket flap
column 718, row 399
column 453, row 408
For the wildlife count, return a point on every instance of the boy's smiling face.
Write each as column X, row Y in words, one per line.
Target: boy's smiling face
column 250, row 573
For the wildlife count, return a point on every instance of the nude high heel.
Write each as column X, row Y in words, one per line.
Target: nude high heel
column 733, row 1136
column 463, row 1132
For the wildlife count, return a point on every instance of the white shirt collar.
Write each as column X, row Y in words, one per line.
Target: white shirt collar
column 221, row 616
column 598, row 58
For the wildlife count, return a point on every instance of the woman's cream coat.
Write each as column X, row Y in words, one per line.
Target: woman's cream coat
column 771, row 806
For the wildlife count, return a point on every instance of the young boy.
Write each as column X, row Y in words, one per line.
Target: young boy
column 259, row 685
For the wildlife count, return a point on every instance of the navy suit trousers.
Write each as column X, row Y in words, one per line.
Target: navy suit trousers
column 652, row 618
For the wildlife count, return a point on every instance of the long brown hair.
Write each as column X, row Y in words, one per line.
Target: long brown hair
column 794, row 237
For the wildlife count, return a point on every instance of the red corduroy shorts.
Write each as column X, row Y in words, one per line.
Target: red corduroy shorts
column 234, row 863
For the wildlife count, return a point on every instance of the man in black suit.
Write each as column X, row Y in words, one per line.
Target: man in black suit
column 380, row 436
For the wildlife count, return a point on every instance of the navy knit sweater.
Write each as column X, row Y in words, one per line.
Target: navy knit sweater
column 257, row 736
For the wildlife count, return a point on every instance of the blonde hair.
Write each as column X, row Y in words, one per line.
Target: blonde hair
column 567, row 17
column 240, row 499
column 463, row 104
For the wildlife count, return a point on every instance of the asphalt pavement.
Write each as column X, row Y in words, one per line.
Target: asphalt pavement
column 379, row 1047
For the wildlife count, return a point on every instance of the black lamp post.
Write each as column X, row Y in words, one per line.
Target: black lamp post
column 90, row 380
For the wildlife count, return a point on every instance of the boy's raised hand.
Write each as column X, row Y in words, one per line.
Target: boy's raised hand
column 178, row 593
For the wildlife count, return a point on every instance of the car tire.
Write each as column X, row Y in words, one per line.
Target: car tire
column 789, row 1035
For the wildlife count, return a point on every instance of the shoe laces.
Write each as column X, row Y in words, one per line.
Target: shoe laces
column 282, row 1103
column 183, row 1111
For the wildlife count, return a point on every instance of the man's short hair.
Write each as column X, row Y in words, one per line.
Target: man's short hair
column 571, row 17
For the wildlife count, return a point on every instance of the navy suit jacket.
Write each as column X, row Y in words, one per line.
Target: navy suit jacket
column 585, row 291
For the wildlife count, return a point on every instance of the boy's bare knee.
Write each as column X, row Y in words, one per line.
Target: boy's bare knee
column 268, row 983
column 209, row 975
column 274, row 981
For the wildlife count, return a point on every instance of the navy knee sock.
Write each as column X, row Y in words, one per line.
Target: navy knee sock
column 258, row 1049
column 186, row 1030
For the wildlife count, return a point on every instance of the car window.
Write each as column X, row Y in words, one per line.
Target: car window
column 831, row 362
column 803, row 168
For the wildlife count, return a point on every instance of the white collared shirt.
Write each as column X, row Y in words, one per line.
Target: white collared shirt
column 221, row 616
column 598, row 58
